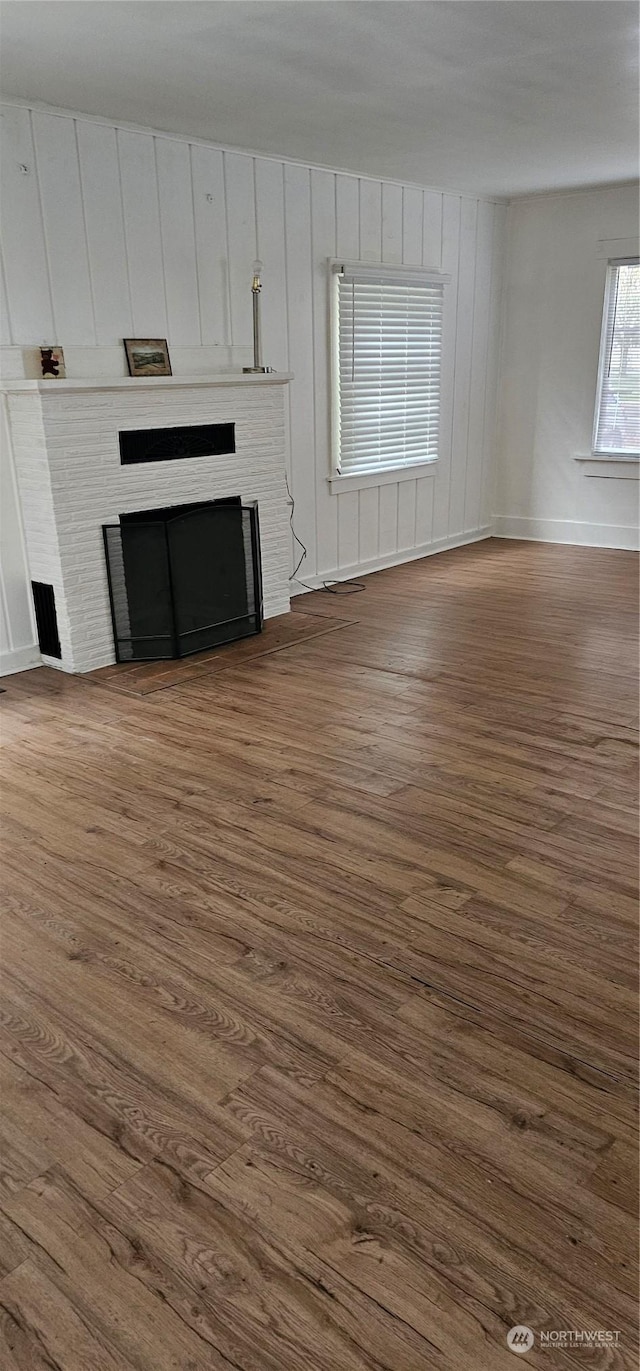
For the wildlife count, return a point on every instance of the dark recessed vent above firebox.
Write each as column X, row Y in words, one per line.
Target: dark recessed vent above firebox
column 174, row 444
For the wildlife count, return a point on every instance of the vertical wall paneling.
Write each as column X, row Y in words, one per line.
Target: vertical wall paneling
column 177, row 233
column 5, row 325
column 406, row 515
column 269, row 195
column 109, row 232
column 391, row 253
column 142, row 234
column 269, row 182
column 241, row 238
column 353, row 201
column 348, row 191
column 323, row 236
column 451, row 208
column 25, row 260
column 368, row 522
column 412, row 231
column 370, row 238
column 348, row 530
column 18, row 635
column 388, row 521
column 392, row 248
column 432, row 230
column 479, row 353
column 297, row 191
column 391, row 223
column 211, row 243
column 464, row 338
column 425, row 486
column 100, row 179
column 65, row 229
column 494, row 342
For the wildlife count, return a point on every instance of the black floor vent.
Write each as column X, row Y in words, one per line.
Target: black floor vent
column 44, row 602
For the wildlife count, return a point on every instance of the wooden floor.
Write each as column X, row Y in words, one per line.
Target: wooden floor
column 318, row 1030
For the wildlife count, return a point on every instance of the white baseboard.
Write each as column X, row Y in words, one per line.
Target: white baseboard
column 20, row 659
column 567, row 531
column 356, row 569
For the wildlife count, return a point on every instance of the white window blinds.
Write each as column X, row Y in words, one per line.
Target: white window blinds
column 388, row 350
column 617, row 427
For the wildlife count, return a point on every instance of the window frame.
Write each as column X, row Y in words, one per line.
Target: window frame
column 339, row 481
column 598, row 453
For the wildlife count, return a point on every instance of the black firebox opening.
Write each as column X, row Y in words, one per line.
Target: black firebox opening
column 184, row 578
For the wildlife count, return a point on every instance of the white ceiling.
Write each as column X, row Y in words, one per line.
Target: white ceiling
column 499, row 98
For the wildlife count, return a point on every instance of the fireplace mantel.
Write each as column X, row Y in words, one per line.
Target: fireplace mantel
column 65, row 385
column 66, row 440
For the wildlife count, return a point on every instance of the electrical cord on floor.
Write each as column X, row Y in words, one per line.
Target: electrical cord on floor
column 331, row 587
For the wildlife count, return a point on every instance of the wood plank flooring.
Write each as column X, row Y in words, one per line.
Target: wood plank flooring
column 318, row 1030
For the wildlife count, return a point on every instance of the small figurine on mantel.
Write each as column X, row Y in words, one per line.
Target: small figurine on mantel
column 52, row 363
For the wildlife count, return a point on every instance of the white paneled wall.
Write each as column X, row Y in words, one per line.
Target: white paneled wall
column 17, row 628
column 110, row 232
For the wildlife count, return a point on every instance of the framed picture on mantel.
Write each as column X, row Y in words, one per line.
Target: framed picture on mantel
column 147, row 356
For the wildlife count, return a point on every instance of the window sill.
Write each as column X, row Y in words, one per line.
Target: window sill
column 623, row 465
column 338, row 484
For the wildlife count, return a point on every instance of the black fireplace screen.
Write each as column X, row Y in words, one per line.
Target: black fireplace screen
column 183, row 579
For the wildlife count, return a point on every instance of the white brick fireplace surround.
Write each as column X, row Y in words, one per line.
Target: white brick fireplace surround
column 71, row 482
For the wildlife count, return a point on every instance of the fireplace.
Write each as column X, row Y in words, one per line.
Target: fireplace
column 88, row 451
column 183, row 578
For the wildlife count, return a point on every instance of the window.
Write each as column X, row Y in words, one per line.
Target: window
column 387, row 353
column 617, row 423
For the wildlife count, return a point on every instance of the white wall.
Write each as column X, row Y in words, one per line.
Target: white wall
column 552, row 317
column 112, row 232
column 17, row 627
